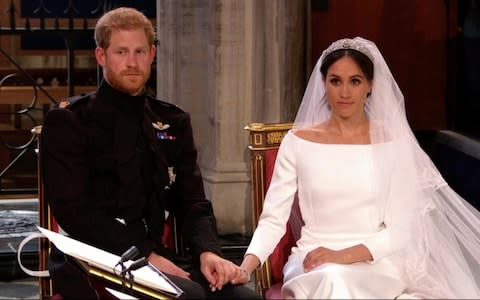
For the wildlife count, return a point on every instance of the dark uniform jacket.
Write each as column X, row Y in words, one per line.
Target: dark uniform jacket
column 113, row 163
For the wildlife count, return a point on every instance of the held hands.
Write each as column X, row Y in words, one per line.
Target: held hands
column 250, row 262
column 242, row 278
column 167, row 266
column 217, row 270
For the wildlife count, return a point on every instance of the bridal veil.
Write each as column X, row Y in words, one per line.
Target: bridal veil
column 441, row 257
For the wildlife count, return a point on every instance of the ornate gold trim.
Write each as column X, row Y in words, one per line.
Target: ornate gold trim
column 44, row 216
column 275, row 137
column 256, row 127
column 262, row 137
column 266, row 136
column 143, row 290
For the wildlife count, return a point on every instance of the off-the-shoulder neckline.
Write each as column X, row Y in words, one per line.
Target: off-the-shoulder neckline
column 327, row 144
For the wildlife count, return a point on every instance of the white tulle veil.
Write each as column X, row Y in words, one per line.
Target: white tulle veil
column 441, row 257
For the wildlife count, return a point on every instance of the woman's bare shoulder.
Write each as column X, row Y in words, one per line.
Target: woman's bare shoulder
column 317, row 133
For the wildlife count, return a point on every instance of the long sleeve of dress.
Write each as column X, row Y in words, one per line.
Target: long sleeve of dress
column 278, row 202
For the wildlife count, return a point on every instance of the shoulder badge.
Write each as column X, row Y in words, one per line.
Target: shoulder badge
column 68, row 102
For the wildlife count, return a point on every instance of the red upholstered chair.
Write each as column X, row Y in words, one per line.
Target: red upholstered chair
column 264, row 140
column 47, row 220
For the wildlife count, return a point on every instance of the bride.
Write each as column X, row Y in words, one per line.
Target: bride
column 380, row 221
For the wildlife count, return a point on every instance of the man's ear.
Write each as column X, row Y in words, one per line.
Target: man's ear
column 100, row 56
column 153, row 51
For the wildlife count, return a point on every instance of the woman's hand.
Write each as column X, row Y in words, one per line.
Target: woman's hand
column 249, row 264
column 322, row 255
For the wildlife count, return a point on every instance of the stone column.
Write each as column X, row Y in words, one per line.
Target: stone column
column 229, row 63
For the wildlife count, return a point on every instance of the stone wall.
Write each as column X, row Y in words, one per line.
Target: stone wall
column 230, row 63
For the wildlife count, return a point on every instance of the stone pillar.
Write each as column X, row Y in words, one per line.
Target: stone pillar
column 229, row 63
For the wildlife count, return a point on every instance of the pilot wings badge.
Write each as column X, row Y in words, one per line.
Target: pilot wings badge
column 160, row 126
column 161, row 132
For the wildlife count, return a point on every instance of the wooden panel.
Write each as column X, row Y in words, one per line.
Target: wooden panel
column 413, row 37
column 25, row 94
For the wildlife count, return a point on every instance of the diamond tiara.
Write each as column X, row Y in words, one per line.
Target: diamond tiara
column 349, row 44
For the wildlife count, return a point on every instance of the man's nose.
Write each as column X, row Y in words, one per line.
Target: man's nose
column 131, row 59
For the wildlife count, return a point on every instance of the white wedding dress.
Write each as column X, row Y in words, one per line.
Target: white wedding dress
column 339, row 206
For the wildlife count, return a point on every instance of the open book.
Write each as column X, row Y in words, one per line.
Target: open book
column 101, row 263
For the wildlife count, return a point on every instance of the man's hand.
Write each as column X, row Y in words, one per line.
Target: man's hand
column 167, row 266
column 217, row 270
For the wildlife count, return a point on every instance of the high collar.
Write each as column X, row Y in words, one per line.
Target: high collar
column 132, row 106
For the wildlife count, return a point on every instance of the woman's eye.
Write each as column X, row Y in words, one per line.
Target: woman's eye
column 356, row 81
column 334, row 81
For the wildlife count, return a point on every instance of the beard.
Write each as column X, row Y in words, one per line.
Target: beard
column 130, row 81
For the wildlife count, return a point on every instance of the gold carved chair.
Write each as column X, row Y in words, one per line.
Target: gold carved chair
column 264, row 141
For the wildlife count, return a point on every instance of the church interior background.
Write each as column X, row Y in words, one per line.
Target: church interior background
column 230, row 63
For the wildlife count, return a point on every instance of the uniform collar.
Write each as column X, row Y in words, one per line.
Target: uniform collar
column 132, row 106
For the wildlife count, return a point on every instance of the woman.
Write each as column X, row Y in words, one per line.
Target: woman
column 380, row 221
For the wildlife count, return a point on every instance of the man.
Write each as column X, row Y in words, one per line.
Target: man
column 115, row 160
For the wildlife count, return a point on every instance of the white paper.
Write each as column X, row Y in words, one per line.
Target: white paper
column 120, row 295
column 106, row 261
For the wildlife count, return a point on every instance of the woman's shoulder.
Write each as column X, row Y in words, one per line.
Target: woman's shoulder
column 316, row 134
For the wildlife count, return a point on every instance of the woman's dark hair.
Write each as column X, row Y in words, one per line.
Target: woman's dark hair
column 361, row 59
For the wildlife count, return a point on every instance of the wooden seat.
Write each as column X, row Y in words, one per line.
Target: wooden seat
column 46, row 220
column 264, row 141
